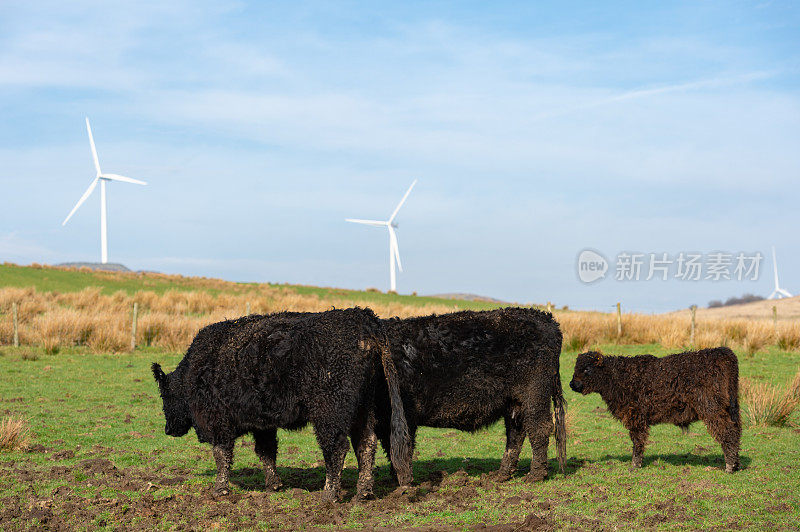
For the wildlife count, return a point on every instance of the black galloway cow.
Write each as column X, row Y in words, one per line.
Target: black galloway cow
column 466, row 370
column 679, row 389
column 260, row 373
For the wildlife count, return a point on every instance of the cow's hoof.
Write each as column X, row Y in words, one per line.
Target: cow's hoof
column 275, row 485
column 499, row 476
column 329, row 496
column 401, row 491
column 365, row 496
column 535, row 476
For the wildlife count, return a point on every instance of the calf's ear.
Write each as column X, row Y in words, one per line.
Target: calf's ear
column 158, row 373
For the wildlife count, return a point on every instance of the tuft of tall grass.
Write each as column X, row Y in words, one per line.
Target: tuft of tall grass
column 770, row 406
column 14, row 433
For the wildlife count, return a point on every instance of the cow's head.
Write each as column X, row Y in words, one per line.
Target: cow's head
column 589, row 368
column 176, row 410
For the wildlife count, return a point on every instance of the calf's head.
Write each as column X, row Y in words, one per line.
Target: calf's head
column 176, row 410
column 589, row 370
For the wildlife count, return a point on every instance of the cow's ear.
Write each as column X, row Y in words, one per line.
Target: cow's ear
column 599, row 360
column 158, row 373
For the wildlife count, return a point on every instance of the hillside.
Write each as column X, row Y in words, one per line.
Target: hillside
column 788, row 309
column 62, row 279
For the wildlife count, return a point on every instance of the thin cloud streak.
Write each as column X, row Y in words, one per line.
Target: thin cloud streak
column 714, row 83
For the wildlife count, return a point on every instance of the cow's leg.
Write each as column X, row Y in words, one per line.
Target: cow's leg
column 538, row 423
column 639, row 439
column 223, row 456
column 365, row 443
column 515, row 437
column 727, row 434
column 334, row 449
column 267, row 451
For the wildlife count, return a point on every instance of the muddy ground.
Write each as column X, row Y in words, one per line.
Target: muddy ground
column 93, row 493
column 133, row 506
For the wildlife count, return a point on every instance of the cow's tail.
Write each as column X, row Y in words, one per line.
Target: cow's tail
column 399, row 435
column 559, row 408
column 733, row 390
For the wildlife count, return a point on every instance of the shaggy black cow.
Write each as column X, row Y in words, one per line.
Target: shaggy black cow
column 260, row 373
column 468, row 369
column 679, row 389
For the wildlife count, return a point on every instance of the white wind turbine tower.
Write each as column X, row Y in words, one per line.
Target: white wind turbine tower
column 778, row 293
column 101, row 178
column 391, row 225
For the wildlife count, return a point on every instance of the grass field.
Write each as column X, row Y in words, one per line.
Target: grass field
column 98, row 458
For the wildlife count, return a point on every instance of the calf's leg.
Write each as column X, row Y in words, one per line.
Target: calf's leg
column 639, row 439
column 267, row 451
column 727, row 433
column 223, row 456
column 365, row 443
column 515, row 437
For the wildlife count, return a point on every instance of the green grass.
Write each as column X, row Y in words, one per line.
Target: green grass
column 101, row 460
column 59, row 280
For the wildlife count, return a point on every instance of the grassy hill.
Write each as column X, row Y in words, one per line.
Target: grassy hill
column 64, row 280
column 788, row 309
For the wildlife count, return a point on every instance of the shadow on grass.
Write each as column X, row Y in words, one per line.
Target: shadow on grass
column 430, row 473
column 685, row 459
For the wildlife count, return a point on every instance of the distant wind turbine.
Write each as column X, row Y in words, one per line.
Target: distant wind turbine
column 778, row 293
column 101, row 178
column 391, row 225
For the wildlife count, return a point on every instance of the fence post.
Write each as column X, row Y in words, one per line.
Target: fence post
column 775, row 321
column 247, row 308
column 693, row 308
column 133, row 325
column 619, row 320
column 15, row 317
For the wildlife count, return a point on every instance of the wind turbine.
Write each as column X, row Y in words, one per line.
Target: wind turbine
column 778, row 293
column 391, row 225
column 102, row 179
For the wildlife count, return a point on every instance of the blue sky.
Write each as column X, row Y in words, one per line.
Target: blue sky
column 535, row 129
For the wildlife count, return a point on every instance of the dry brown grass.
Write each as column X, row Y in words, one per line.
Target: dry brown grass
column 585, row 329
column 767, row 405
column 14, row 433
column 102, row 322
column 170, row 320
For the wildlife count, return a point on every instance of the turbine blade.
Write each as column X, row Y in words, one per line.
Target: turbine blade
column 116, row 177
column 80, row 201
column 784, row 292
column 94, row 150
column 374, row 223
column 395, row 247
column 397, row 209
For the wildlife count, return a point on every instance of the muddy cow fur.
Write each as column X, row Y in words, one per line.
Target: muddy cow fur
column 678, row 389
column 466, row 370
column 260, row 373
